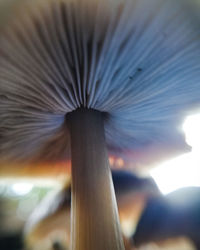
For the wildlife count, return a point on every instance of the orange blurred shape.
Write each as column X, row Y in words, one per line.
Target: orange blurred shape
column 119, row 163
column 111, row 160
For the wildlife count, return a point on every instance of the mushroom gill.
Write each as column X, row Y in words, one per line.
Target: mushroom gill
column 91, row 75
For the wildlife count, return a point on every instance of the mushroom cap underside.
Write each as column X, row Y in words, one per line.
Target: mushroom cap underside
column 137, row 62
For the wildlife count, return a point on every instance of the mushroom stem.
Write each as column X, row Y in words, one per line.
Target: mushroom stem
column 95, row 221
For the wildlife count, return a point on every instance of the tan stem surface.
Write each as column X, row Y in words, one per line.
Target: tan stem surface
column 95, row 221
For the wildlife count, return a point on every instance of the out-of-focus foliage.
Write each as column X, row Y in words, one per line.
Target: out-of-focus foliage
column 15, row 208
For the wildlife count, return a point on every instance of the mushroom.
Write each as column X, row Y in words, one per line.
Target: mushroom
column 6, row 9
column 50, row 221
column 88, row 76
column 171, row 217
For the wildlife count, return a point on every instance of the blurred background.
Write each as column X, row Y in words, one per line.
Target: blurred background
column 159, row 208
column 18, row 198
column 164, row 217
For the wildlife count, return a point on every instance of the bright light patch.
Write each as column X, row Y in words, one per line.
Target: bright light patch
column 39, row 182
column 128, row 227
column 184, row 170
column 191, row 128
column 21, row 188
column 180, row 172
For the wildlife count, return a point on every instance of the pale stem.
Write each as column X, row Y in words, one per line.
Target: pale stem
column 95, row 221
